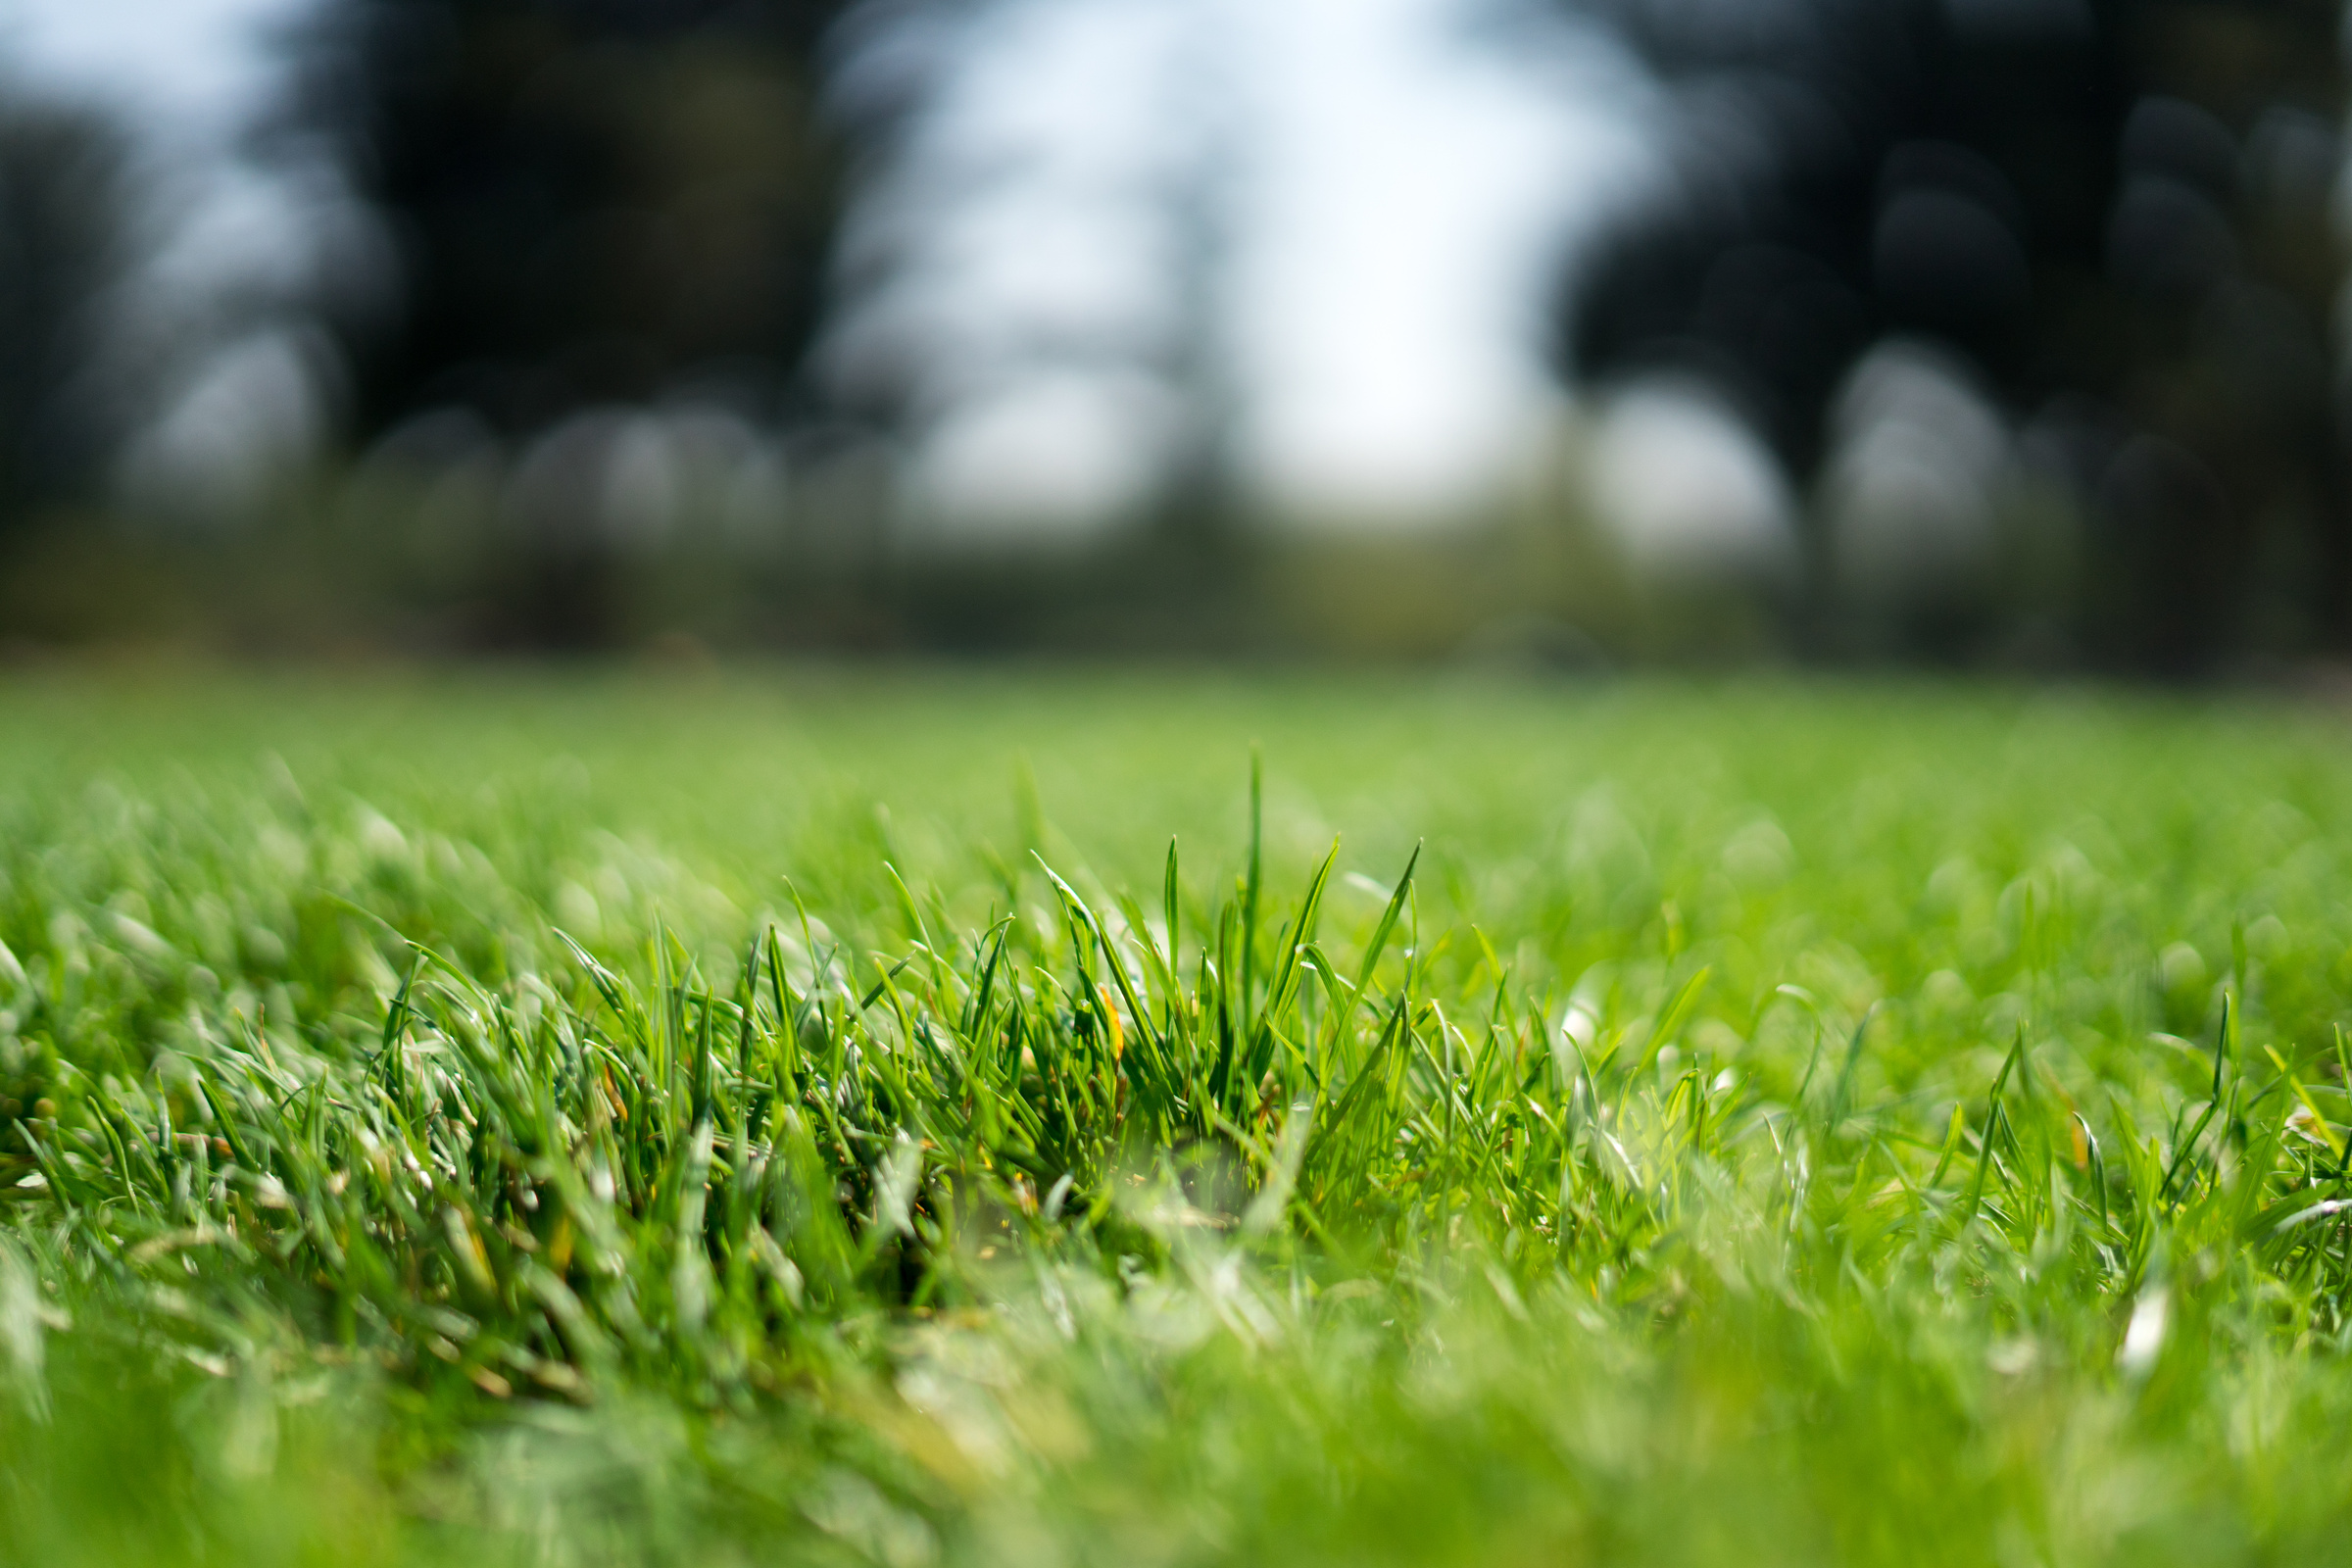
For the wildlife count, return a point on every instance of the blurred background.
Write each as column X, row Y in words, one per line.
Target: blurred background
column 1988, row 333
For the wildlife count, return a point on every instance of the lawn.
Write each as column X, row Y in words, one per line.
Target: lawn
column 931, row 1117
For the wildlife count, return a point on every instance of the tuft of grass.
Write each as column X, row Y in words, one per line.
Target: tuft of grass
column 598, row 1122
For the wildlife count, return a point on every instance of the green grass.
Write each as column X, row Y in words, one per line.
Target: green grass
column 818, row 1117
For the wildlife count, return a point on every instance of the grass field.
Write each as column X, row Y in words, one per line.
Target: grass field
column 816, row 1118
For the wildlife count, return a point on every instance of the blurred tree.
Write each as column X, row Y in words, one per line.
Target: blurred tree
column 69, row 207
column 2115, row 209
column 591, row 200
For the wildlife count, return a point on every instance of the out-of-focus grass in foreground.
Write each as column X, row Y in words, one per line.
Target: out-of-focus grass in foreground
column 819, row 1118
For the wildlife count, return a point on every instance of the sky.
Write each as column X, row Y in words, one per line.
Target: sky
column 1405, row 237
column 1392, row 201
column 1381, row 198
column 192, row 66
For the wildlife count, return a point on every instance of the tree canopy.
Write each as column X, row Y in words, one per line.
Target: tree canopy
column 590, row 200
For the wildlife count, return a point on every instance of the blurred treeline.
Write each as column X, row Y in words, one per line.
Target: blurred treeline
column 2033, row 304
column 2119, row 219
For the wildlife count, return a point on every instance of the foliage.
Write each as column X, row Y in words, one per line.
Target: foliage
column 592, row 200
column 71, row 221
column 2115, row 216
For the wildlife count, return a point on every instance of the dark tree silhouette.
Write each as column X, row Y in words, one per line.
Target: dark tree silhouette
column 591, row 200
column 2122, row 203
column 67, row 209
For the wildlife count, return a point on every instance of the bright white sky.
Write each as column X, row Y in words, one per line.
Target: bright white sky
column 1390, row 255
column 196, row 64
column 1404, row 240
